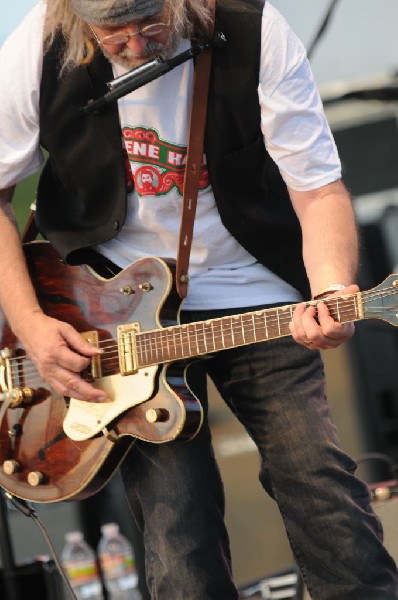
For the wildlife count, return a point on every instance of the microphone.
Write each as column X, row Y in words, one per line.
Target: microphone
column 148, row 72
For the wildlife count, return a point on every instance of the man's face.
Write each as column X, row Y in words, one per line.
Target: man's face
column 138, row 47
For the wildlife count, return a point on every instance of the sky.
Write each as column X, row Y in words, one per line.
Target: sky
column 360, row 42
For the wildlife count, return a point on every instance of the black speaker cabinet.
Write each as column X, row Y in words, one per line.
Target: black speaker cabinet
column 34, row 579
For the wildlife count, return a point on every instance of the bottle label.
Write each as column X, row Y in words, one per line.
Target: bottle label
column 81, row 572
column 117, row 565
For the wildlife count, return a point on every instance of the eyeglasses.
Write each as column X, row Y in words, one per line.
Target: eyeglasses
column 118, row 39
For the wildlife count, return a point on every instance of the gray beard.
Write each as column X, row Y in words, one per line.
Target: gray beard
column 127, row 59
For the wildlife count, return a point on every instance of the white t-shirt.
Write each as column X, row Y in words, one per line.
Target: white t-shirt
column 154, row 122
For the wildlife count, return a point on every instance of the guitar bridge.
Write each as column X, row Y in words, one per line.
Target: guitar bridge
column 127, row 348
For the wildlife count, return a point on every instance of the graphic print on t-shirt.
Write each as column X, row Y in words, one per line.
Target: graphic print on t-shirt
column 158, row 166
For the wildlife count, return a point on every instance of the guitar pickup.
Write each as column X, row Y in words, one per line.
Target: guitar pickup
column 94, row 371
column 127, row 348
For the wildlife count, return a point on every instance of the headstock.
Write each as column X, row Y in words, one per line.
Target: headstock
column 381, row 302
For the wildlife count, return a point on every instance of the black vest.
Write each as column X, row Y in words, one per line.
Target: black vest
column 82, row 190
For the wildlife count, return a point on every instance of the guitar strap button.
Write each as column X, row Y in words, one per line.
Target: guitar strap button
column 157, row 415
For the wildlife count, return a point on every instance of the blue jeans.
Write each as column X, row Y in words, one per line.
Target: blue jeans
column 277, row 391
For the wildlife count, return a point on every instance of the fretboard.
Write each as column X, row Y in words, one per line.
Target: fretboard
column 205, row 337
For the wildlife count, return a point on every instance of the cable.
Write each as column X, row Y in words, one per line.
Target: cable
column 392, row 465
column 28, row 511
column 322, row 28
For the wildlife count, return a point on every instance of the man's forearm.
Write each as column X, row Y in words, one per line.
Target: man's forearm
column 330, row 237
column 17, row 297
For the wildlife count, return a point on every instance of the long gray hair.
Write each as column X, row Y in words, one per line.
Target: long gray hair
column 189, row 17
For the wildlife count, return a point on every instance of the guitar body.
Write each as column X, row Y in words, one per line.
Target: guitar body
column 44, row 457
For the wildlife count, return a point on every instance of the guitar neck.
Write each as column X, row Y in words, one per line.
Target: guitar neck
column 205, row 337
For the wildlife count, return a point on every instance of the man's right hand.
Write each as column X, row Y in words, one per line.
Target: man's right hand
column 60, row 355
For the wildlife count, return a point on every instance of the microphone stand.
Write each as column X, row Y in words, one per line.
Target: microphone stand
column 322, row 29
column 148, row 72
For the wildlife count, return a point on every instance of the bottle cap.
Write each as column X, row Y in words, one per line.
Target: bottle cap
column 110, row 529
column 74, row 536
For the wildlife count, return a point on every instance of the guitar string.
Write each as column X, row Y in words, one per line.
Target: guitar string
column 249, row 316
column 343, row 305
column 166, row 331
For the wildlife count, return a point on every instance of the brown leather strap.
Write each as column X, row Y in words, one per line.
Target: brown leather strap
column 194, row 162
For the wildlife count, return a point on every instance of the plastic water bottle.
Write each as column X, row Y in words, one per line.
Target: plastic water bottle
column 80, row 565
column 117, row 563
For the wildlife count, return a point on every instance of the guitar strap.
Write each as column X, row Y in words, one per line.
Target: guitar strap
column 193, row 166
column 194, row 160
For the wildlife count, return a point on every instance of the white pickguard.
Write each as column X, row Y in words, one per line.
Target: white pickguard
column 86, row 419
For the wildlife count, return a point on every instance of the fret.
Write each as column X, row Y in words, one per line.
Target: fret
column 357, row 307
column 189, row 327
column 338, row 310
column 213, row 337
column 243, row 330
column 270, row 327
column 167, row 342
column 279, row 323
column 228, row 332
column 143, row 348
column 266, row 327
column 174, row 343
column 204, row 337
column 196, row 339
column 153, row 348
column 157, row 340
column 208, row 329
column 232, row 331
column 150, row 347
column 200, row 338
column 186, row 347
column 222, row 334
column 168, row 349
column 260, row 325
column 180, row 330
column 253, row 329
column 216, row 337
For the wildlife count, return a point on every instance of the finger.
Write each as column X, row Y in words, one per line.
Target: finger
column 69, row 384
column 311, row 331
column 68, row 359
column 78, row 343
column 295, row 326
column 303, row 326
column 332, row 329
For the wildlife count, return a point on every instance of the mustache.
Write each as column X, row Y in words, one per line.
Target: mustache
column 150, row 49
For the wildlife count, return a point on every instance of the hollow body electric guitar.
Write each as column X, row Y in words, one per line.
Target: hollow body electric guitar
column 54, row 448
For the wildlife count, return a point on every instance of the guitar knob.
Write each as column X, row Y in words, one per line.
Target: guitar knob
column 35, row 478
column 11, row 466
column 156, row 415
